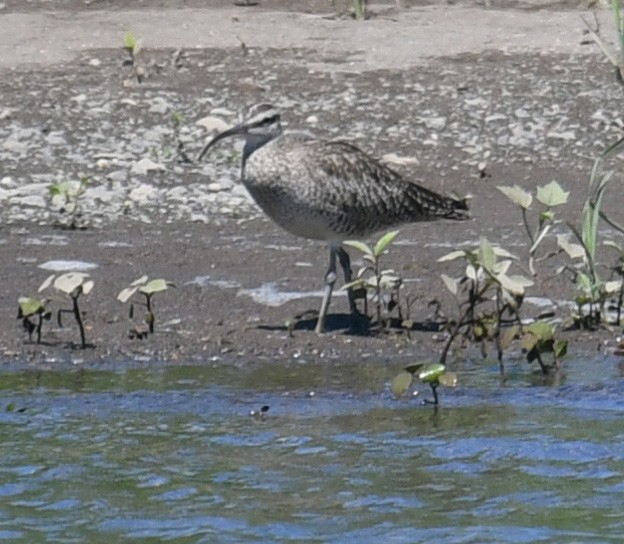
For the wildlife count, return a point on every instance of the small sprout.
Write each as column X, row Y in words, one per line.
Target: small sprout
column 147, row 288
column 372, row 277
column 539, row 339
column 28, row 308
column 434, row 374
column 549, row 196
column 66, row 198
column 133, row 46
column 73, row 284
column 487, row 283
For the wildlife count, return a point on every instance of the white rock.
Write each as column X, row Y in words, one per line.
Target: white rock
column 213, row 124
column 312, row 120
column 145, row 166
column 15, row 147
column 565, row 135
column 118, row 176
column 434, row 123
column 95, row 62
column 144, row 193
column 103, row 164
column 36, row 201
column 8, row 182
column 199, row 218
column 160, row 105
column 214, row 187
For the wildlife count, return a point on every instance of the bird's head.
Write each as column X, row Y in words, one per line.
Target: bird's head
column 258, row 124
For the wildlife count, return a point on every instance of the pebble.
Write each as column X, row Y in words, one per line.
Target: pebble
column 213, row 124
column 144, row 166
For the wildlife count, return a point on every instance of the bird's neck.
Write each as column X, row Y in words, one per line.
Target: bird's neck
column 255, row 142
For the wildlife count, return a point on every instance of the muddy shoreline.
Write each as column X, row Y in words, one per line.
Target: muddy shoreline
column 461, row 123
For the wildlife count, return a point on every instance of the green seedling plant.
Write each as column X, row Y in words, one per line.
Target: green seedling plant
column 73, row 284
column 373, row 278
column 618, row 269
column 538, row 340
column 615, row 57
column 133, row 46
column 66, row 197
column 537, row 227
column 485, row 292
column 594, row 290
column 146, row 288
column 359, row 9
column 173, row 148
column 434, row 374
column 32, row 308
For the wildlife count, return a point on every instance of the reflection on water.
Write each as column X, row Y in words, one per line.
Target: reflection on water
column 171, row 454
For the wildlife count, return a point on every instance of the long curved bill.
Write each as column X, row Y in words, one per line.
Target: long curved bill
column 236, row 130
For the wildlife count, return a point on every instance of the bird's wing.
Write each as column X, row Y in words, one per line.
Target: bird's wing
column 359, row 183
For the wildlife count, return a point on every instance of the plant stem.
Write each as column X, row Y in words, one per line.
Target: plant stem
column 497, row 335
column 150, row 315
column 39, row 324
column 527, row 226
column 76, row 311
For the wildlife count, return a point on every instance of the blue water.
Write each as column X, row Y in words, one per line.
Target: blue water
column 171, row 454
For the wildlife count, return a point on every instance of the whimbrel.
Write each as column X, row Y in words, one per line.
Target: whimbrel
column 327, row 190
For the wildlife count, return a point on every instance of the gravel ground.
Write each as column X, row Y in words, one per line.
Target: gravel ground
column 500, row 105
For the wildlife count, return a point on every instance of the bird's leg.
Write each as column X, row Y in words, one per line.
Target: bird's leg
column 330, row 280
column 345, row 262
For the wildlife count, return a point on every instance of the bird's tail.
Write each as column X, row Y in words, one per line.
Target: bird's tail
column 426, row 204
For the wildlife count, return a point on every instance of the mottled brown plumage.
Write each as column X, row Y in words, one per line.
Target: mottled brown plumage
column 328, row 190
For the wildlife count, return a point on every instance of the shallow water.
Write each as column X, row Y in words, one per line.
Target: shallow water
column 172, row 454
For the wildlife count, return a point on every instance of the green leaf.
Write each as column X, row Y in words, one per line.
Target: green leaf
column 574, row 251
column 431, row 373
column 560, row 349
column 384, row 241
column 448, row 379
column 68, row 282
column 451, row 283
column 126, row 293
column 500, row 252
column 584, row 282
column 402, row 383
column 414, row 367
column 31, row 306
column 615, row 245
column 515, row 283
column 47, row 282
column 517, row 195
column 360, row 246
column 453, row 255
column 156, row 286
column 528, row 342
column 543, row 331
column 508, row 336
column 140, row 281
column 552, row 194
column 486, row 256
column 129, row 41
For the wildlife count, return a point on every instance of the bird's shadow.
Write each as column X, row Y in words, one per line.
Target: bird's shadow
column 345, row 323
